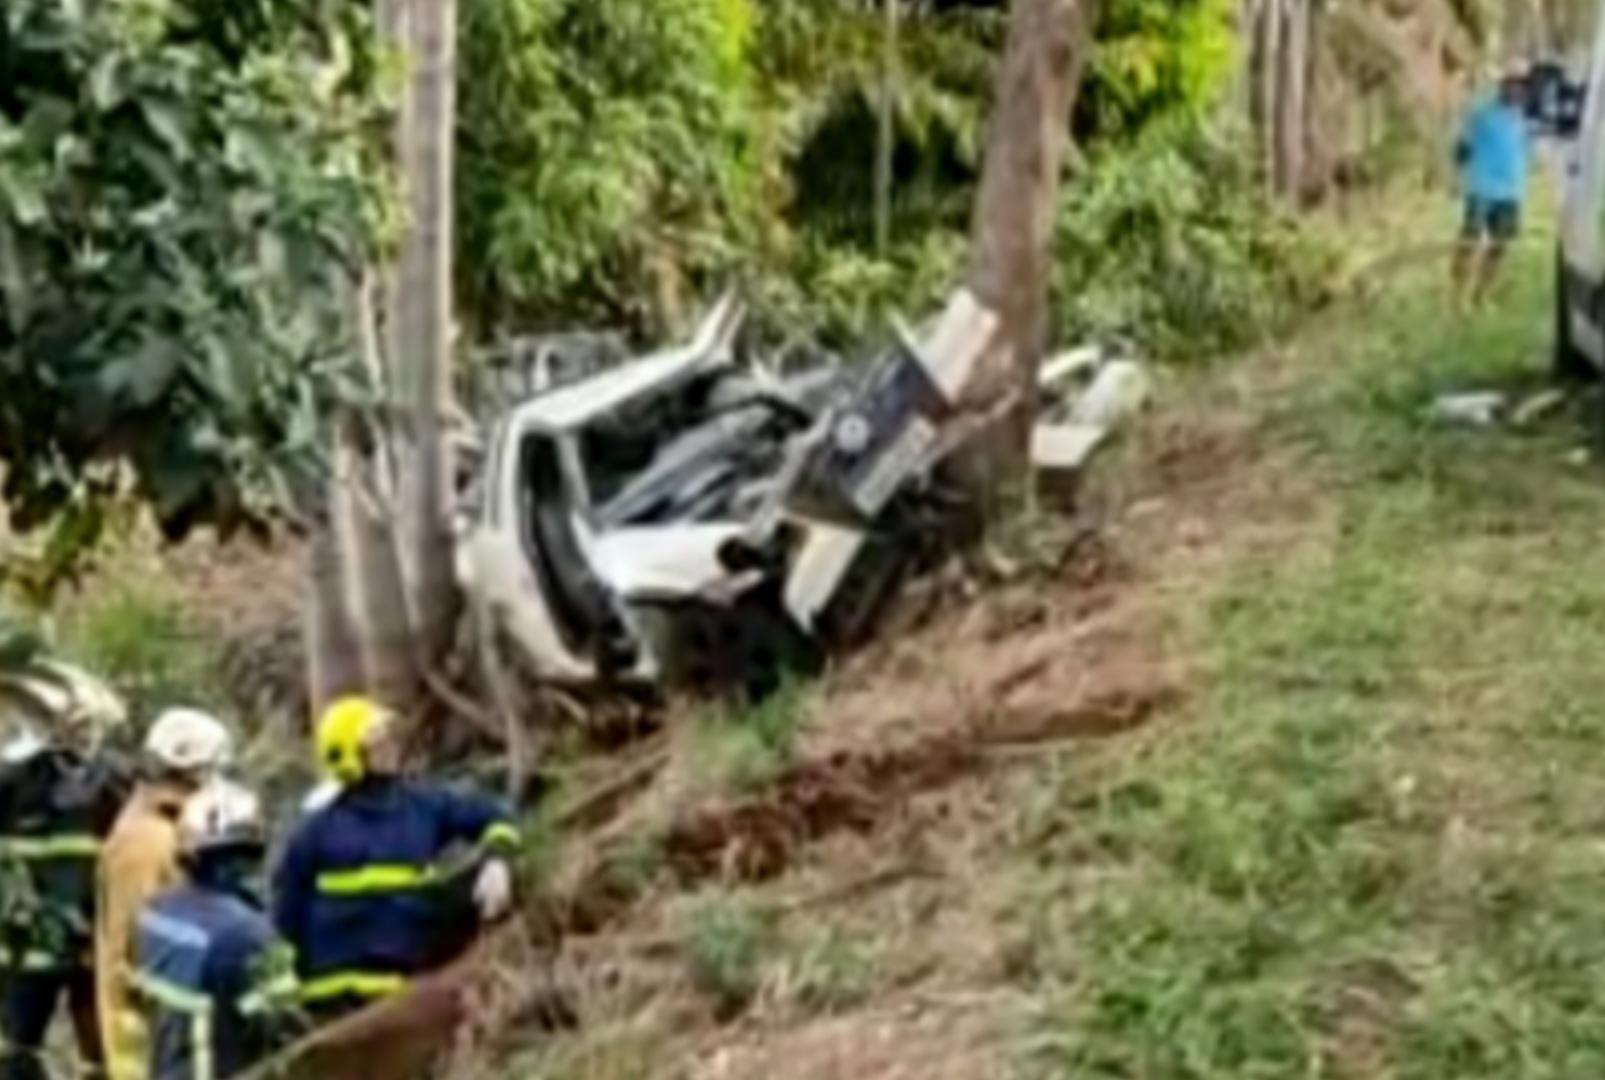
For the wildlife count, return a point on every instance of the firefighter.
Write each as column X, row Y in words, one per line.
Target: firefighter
column 183, row 750
column 366, row 891
column 219, row 984
column 60, row 791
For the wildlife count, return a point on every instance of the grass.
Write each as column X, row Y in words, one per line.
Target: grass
column 136, row 634
column 1376, row 850
column 1370, row 849
column 739, row 748
column 725, row 938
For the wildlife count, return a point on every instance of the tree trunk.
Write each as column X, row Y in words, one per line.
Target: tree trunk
column 1268, row 70
column 378, row 587
column 334, row 660
column 1011, row 241
column 423, row 319
column 886, row 135
column 1293, row 78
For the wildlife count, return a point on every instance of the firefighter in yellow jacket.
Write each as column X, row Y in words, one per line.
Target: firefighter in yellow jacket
column 182, row 751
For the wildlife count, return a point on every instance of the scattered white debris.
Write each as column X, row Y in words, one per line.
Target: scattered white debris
column 1064, row 447
column 1074, row 427
column 1118, row 391
column 1482, row 408
column 1538, row 406
column 1068, row 365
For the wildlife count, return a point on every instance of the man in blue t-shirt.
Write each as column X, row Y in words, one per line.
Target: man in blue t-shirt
column 1492, row 154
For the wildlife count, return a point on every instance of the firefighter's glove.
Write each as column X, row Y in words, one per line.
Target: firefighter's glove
column 493, row 890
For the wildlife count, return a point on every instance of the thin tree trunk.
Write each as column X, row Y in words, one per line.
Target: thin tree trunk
column 395, row 22
column 885, row 143
column 1269, row 69
column 1293, row 77
column 334, row 659
column 1245, row 86
column 377, row 588
column 424, row 323
column 1012, row 231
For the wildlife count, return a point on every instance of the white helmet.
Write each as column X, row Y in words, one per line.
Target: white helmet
column 222, row 814
column 188, row 740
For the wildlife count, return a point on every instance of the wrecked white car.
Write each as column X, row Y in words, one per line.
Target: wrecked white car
column 682, row 518
column 685, row 518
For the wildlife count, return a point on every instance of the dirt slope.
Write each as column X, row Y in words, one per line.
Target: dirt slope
column 1291, row 771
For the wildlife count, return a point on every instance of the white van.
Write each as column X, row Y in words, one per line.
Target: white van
column 1573, row 109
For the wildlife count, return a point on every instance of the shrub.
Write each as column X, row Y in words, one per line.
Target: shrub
column 725, row 937
column 139, row 638
column 1168, row 241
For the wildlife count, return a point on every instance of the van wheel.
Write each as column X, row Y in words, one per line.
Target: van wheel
column 1570, row 364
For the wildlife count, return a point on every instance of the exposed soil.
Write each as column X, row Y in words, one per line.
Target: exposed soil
column 903, row 743
column 853, row 789
column 1075, row 651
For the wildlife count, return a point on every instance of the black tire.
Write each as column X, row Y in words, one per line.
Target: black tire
column 1570, row 364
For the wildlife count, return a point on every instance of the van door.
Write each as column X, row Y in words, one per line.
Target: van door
column 1583, row 211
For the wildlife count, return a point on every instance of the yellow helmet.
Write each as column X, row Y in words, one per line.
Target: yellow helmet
column 343, row 732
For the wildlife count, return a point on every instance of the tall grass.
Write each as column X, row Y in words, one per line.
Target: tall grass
column 1373, row 854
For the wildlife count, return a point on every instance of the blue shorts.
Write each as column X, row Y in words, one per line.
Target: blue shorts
column 1491, row 219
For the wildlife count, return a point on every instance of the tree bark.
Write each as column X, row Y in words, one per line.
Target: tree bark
column 1011, row 241
column 378, row 587
column 334, row 659
column 1268, row 69
column 1293, row 78
column 424, row 324
column 886, row 135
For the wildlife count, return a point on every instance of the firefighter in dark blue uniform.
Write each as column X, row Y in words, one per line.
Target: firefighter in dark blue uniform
column 390, row 879
column 216, row 980
column 60, row 792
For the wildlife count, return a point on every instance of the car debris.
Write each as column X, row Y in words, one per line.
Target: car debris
column 1537, row 407
column 1073, row 423
column 1479, row 408
column 687, row 518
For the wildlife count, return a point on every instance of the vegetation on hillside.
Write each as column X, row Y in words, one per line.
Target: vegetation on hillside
column 1368, row 853
column 622, row 159
column 181, row 187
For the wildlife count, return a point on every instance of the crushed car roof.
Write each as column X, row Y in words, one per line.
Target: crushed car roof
column 572, row 406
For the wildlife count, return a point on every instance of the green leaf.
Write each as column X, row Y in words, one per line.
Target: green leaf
column 167, row 121
column 108, row 85
column 23, row 195
column 14, row 285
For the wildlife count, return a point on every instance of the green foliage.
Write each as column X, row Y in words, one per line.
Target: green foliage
column 725, row 937
column 821, row 66
column 137, row 636
column 20, row 643
column 830, row 971
column 1365, row 854
column 604, row 153
column 181, row 184
column 844, row 296
column 743, row 749
column 1156, row 59
column 1169, row 241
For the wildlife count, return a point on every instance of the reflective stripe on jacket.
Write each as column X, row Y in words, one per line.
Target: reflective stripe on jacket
column 361, row 892
column 139, row 860
column 54, row 809
column 198, row 951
